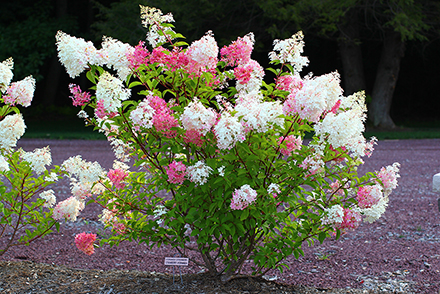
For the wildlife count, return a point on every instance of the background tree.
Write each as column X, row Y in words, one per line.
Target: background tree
column 352, row 23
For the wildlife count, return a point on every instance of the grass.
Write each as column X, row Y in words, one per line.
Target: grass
column 61, row 129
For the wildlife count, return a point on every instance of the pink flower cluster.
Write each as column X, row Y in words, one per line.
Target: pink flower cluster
column 289, row 83
column 163, row 119
column 194, row 137
column 117, row 176
column 79, row 97
column 200, row 57
column 243, row 73
column 350, row 220
column 84, row 242
column 367, row 196
column 176, row 172
column 239, row 52
column 139, row 56
column 242, row 197
column 290, row 144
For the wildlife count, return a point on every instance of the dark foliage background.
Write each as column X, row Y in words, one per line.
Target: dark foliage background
column 28, row 28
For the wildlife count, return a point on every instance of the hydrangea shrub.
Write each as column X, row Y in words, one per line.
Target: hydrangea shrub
column 26, row 200
column 221, row 164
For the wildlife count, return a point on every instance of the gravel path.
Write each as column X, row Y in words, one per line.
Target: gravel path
column 399, row 253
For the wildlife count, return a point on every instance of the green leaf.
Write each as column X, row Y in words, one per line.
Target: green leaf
column 244, row 214
column 134, row 84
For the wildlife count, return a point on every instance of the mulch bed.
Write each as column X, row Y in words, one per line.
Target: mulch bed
column 400, row 253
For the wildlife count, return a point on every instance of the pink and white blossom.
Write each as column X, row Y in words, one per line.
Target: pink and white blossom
column 243, row 197
column 198, row 117
column 388, row 176
column 20, row 92
column 239, row 52
column 203, row 55
column 368, row 196
column 142, row 115
column 68, row 209
column 289, row 144
column 6, row 73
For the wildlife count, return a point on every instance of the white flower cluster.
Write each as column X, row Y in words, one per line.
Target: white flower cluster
column 75, row 53
column 345, row 129
column 111, row 91
column 120, row 149
column 242, row 197
column 375, row 212
column 151, row 15
column 228, row 131
column 199, row 172
column 107, row 217
column 221, row 171
column 290, row 51
column 81, row 190
column 116, row 56
column 142, row 116
column 317, row 95
column 197, row 117
column 158, row 212
column 273, row 188
column 68, row 209
column 335, row 215
column 82, row 114
column 87, row 172
column 52, row 177
column 120, row 165
column 4, row 165
column 11, row 129
column 50, row 198
column 38, row 159
column 6, row 73
column 155, row 38
column 258, row 116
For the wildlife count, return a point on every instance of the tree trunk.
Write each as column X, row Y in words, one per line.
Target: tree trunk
column 386, row 78
column 351, row 55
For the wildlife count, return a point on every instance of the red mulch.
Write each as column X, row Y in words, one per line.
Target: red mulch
column 402, row 247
